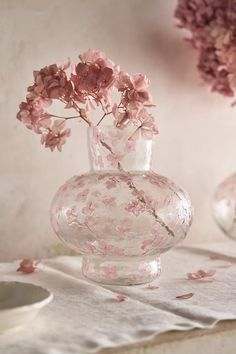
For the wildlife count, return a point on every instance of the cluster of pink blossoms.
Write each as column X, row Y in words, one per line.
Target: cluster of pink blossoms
column 90, row 85
column 212, row 24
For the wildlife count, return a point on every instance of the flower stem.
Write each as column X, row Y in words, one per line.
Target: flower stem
column 133, row 134
column 104, row 115
column 82, row 113
column 140, row 197
column 107, row 147
column 152, row 210
column 53, row 115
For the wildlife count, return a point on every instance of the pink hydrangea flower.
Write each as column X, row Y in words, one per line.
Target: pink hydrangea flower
column 32, row 114
column 135, row 88
column 51, row 82
column 94, row 76
column 122, row 118
column 56, row 135
column 92, row 79
column 148, row 127
column 99, row 58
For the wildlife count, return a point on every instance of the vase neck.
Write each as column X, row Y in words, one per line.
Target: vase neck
column 115, row 149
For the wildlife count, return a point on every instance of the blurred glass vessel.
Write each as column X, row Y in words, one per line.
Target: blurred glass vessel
column 121, row 216
column 224, row 206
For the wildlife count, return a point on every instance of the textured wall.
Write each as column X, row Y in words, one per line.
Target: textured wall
column 196, row 145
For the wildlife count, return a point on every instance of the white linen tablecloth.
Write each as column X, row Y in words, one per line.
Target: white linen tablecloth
column 85, row 317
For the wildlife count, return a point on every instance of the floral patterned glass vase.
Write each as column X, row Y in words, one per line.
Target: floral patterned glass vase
column 224, row 206
column 121, row 216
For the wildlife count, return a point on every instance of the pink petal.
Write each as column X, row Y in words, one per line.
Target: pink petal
column 185, row 296
column 201, row 274
column 28, row 266
column 121, row 298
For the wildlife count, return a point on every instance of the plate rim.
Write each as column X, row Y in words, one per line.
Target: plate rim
column 37, row 304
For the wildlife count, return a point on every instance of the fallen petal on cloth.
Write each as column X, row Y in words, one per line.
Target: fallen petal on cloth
column 28, row 266
column 121, row 298
column 201, row 274
column 185, row 296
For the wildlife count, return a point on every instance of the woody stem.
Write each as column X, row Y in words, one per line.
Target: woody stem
column 53, row 115
column 104, row 115
column 140, row 197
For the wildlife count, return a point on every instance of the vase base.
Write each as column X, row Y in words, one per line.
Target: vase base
column 121, row 270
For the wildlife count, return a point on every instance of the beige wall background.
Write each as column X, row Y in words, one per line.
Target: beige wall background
column 196, row 145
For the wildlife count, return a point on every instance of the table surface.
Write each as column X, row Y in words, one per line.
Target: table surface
column 219, row 339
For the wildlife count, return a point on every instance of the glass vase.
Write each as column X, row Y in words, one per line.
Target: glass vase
column 224, row 206
column 121, row 216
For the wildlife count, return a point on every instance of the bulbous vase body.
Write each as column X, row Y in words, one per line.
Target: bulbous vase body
column 121, row 216
column 224, row 206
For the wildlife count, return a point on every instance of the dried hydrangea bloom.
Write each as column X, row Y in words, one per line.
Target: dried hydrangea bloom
column 89, row 86
column 212, row 24
column 56, row 136
column 50, row 83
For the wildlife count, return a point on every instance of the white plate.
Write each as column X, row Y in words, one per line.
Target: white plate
column 20, row 303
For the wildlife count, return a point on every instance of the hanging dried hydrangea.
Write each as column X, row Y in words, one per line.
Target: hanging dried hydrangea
column 212, row 24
